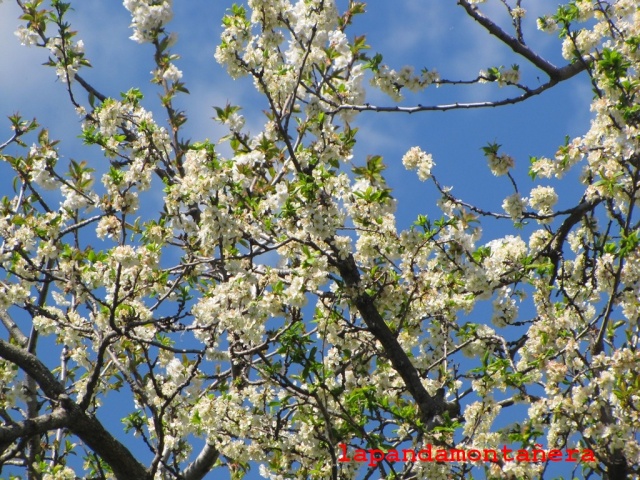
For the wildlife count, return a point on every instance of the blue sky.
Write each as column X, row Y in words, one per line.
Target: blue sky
column 432, row 33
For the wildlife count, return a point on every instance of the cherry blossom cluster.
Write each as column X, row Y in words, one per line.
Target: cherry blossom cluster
column 271, row 305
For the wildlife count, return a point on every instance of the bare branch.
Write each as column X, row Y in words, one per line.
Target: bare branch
column 89, row 88
column 513, row 43
column 14, row 330
column 59, row 418
column 202, row 464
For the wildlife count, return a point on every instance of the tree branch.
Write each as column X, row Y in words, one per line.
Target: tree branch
column 554, row 250
column 90, row 431
column 513, row 43
column 33, row 367
column 89, row 88
column 202, row 464
column 564, row 73
column 429, row 406
column 14, row 330
column 86, row 427
column 59, row 418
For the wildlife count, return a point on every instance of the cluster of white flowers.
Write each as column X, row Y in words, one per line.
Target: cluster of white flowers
column 416, row 159
column 75, row 199
column 68, row 62
column 109, row 226
column 63, row 473
column 110, row 117
column 43, row 159
column 566, row 157
column 338, row 42
column 505, row 308
column 518, row 12
column 148, row 16
column 8, row 374
column 515, row 206
column 585, row 41
column 172, row 73
column 27, row 36
column 538, row 240
column 235, row 122
column 500, row 164
column 479, row 417
column 505, row 257
column 308, row 353
column 391, row 82
column 387, row 81
column 547, row 23
column 482, row 338
column 509, row 76
column 543, row 199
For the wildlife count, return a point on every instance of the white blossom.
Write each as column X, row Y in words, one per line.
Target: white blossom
column 416, row 159
column 514, row 205
column 500, row 164
column 543, row 199
column 27, row 36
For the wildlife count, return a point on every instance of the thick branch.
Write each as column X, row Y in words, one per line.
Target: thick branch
column 33, row 367
column 202, row 464
column 429, row 406
column 91, row 432
column 59, row 418
column 555, row 247
column 86, row 427
column 14, row 330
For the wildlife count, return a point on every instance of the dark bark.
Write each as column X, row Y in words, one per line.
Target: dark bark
column 429, row 406
column 555, row 74
column 84, row 426
column 32, row 426
column 202, row 464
